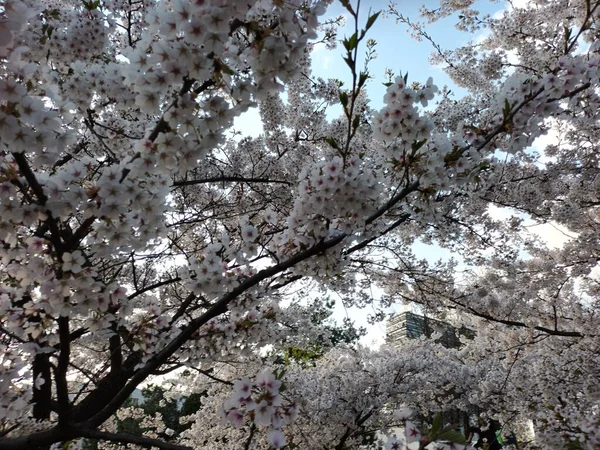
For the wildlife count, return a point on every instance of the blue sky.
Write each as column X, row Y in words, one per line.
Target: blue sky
column 396, row 49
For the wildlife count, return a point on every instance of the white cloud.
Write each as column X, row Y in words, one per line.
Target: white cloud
column 553, row 234
column 249, row 123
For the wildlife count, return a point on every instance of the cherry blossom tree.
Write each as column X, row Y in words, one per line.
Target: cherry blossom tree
column 143, row 237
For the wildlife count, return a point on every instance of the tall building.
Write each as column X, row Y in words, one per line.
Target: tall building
column 408, row 325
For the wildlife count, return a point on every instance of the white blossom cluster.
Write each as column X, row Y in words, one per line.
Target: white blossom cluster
column 264, row 404
column 140, row 235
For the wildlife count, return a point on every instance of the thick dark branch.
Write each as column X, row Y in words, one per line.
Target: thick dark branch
column 349, row 430
column 570, row 94
column 69, row 156
column 514, row 323
column 102, row 407
column 508, row 119
column 81, row 232
column 366, row 242
column 116, row 355
column 42, row 396
column 393, row 201
column 208, row 373
column 183, row 308
column 60, row 374
column 250, row 436
column 558, row 332
column 105, row 390
column 9, row 430
column 218, row 308
column 37, row 440
column 39, row 193
column 48, row 437
column 12, row 335
column 153, row 286
column 286, row 282
column 78, row 333
column 230, row 179
column 162, row 125
column 126, row 438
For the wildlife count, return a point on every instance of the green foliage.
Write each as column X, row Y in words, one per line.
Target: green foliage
column 573, row 445
column 307, row 354
column 91, row 5
column 371, row 20
column 153, row 402
column 437, row 432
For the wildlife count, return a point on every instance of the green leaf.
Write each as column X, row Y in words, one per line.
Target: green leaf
column 352, row 42
column 346, row 4
column 362, row 79
column 418, row 144
column 331, row 141
column 343, row 98
column 355, row 122
column 371, row 20
column 568, row 32
column 91, row 5
column 437, row 424
column 452, row 436
column 350, row 62
column 507, row 108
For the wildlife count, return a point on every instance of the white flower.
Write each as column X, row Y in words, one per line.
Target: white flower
column 412, row 433
column 243, row 387
column 11, row 90
column 39, row 382
column 236, row 418
column 263, row 413
column 393, row 443
column 276, row 438
column 402, row 414
column 270, row 216
column 249, row 233
column 266, row 380
column 72, row 262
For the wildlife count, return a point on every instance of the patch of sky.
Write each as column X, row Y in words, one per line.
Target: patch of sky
column 398, row 52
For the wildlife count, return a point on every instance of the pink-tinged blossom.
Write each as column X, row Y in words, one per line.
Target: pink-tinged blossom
column 249, row 233
column 235, row 417
column 412, row 432
column 266, row 380
column 118, row 153
column 276, row 438
column 403, row 414
column 263, row 413
column 393, row 443
column 243, row 387
column 72, row 262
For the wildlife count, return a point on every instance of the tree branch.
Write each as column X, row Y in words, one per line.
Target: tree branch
column 60, row 374
column 126, row 438
column 229, row 178
column 217, row 309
